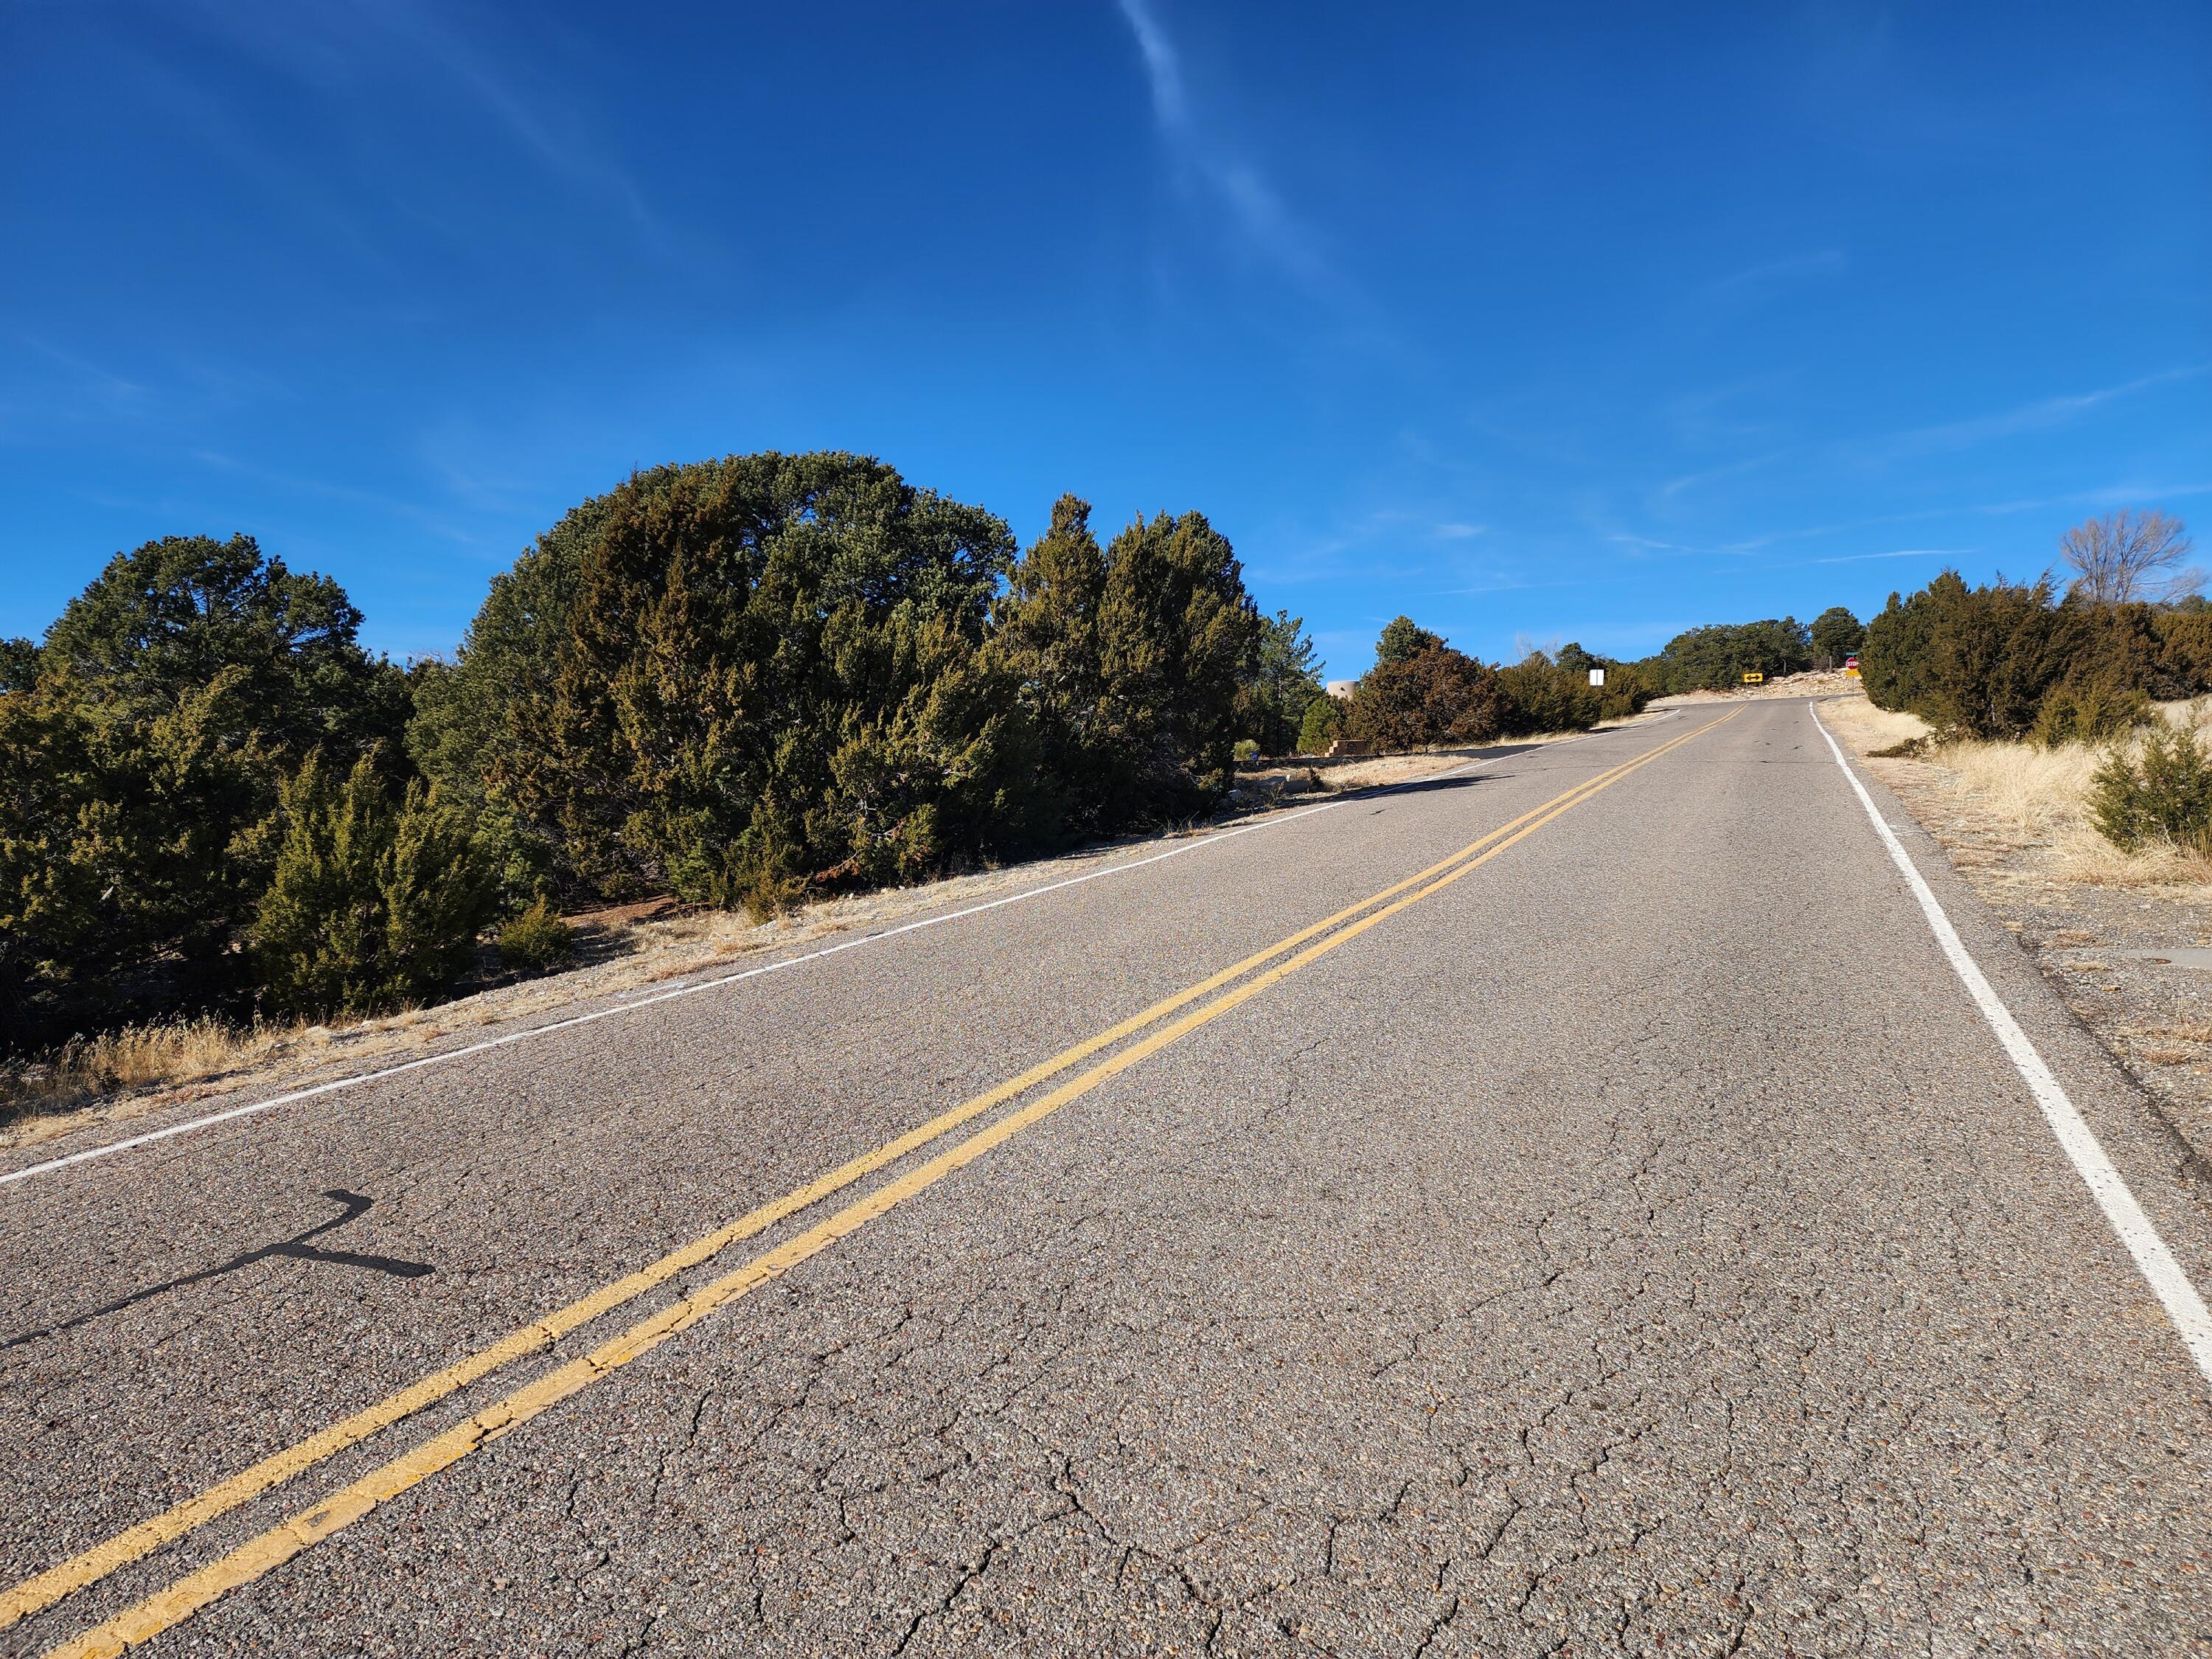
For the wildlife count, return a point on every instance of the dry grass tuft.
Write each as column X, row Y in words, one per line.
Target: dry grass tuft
column 2034, row 792
column 1865, row 728
column 2036, row 796
column 132, row 1058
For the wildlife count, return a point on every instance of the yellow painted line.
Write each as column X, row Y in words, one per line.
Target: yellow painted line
column 43, row 1590
column 171, row 1606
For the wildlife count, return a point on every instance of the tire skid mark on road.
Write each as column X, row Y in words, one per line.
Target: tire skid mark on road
column 280, row 1543
column 2185, row 1307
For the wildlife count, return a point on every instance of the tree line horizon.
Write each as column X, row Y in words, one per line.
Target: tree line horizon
column 743, row 681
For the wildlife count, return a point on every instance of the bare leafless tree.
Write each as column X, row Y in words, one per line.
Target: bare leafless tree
column 2126, row 555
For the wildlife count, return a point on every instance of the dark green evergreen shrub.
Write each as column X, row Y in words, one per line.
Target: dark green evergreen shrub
column 1281, row 683
column 374, row 904
column 1324, row 715
column 2158, row 790
column 1976, row 662
column 1132, row 663
column 143, row 749
column 1401, row 639
column 1436, row 696
column 1540, row 695
column 537, row 940
column 2184, row 648
column 2088, row 712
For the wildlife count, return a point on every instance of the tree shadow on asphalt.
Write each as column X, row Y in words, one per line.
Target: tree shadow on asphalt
column 297, row 1246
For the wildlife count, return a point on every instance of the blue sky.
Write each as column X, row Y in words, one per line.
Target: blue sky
column 1540, row 322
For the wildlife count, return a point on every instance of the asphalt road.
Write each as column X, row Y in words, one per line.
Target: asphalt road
column 1631, row 1238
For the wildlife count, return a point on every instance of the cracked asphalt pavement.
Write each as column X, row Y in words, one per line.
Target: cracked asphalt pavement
column 1640, row 1245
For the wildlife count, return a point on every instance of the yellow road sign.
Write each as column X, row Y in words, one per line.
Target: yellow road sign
column 1755, row 678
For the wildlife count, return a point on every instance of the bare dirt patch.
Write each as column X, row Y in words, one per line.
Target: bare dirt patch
column 2113, row 931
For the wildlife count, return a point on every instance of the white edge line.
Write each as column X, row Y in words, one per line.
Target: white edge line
column 2184, row 1306
column 335, row 1084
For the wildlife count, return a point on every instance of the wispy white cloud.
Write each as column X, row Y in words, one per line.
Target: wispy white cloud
column 1675, row 487
column 2037, row 415
column 1901, row 553
column 1454, row 531
column 2040, row 414
column 1646, row 544
column 1267, row 224
column 2126, row 494
column 324, row 45
column 1771, row 271
column 109, row 386
column 322, row 489
column 1510, row 588
column 539, row 125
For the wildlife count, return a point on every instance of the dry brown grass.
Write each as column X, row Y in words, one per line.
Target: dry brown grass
column 2037, row 797
column 130, row 1059
column 1864, row 728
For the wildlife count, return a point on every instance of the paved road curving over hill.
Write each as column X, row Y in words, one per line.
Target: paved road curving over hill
column 1573, row 1206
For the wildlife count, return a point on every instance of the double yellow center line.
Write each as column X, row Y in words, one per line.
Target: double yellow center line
column 349, row 1503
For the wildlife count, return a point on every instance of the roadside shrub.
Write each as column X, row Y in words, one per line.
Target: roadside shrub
column 2185, row 641
column 537, row 940
column 373, row 905
column 1976, row 662
column 2088, row 713
column 1137, row 664
column 2161, row 789
column 1437, row 695
column 1539, row 695
column 1324, row 715
column 1247, row 749
column 143, row 746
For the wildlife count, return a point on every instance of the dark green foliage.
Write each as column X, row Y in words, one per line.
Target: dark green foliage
column 374, row 904
column 1400, row 639
column 1046, row 635
column 1435, row 696
column 1628, row 685
column 1834, row 636
column 1720, row 655
column 2184, row 648
column 2162, row 790
column 19, row 664
column 470, row 731
column 1132, row 664
column 1541, row 694
column 140, row 775
column 537, row 940
column 1177, row 633
column 2088, row 711
column 1283, row 682
column 161, row 623
column 1978, row 662
column 1324, row 716
column 744, row 679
